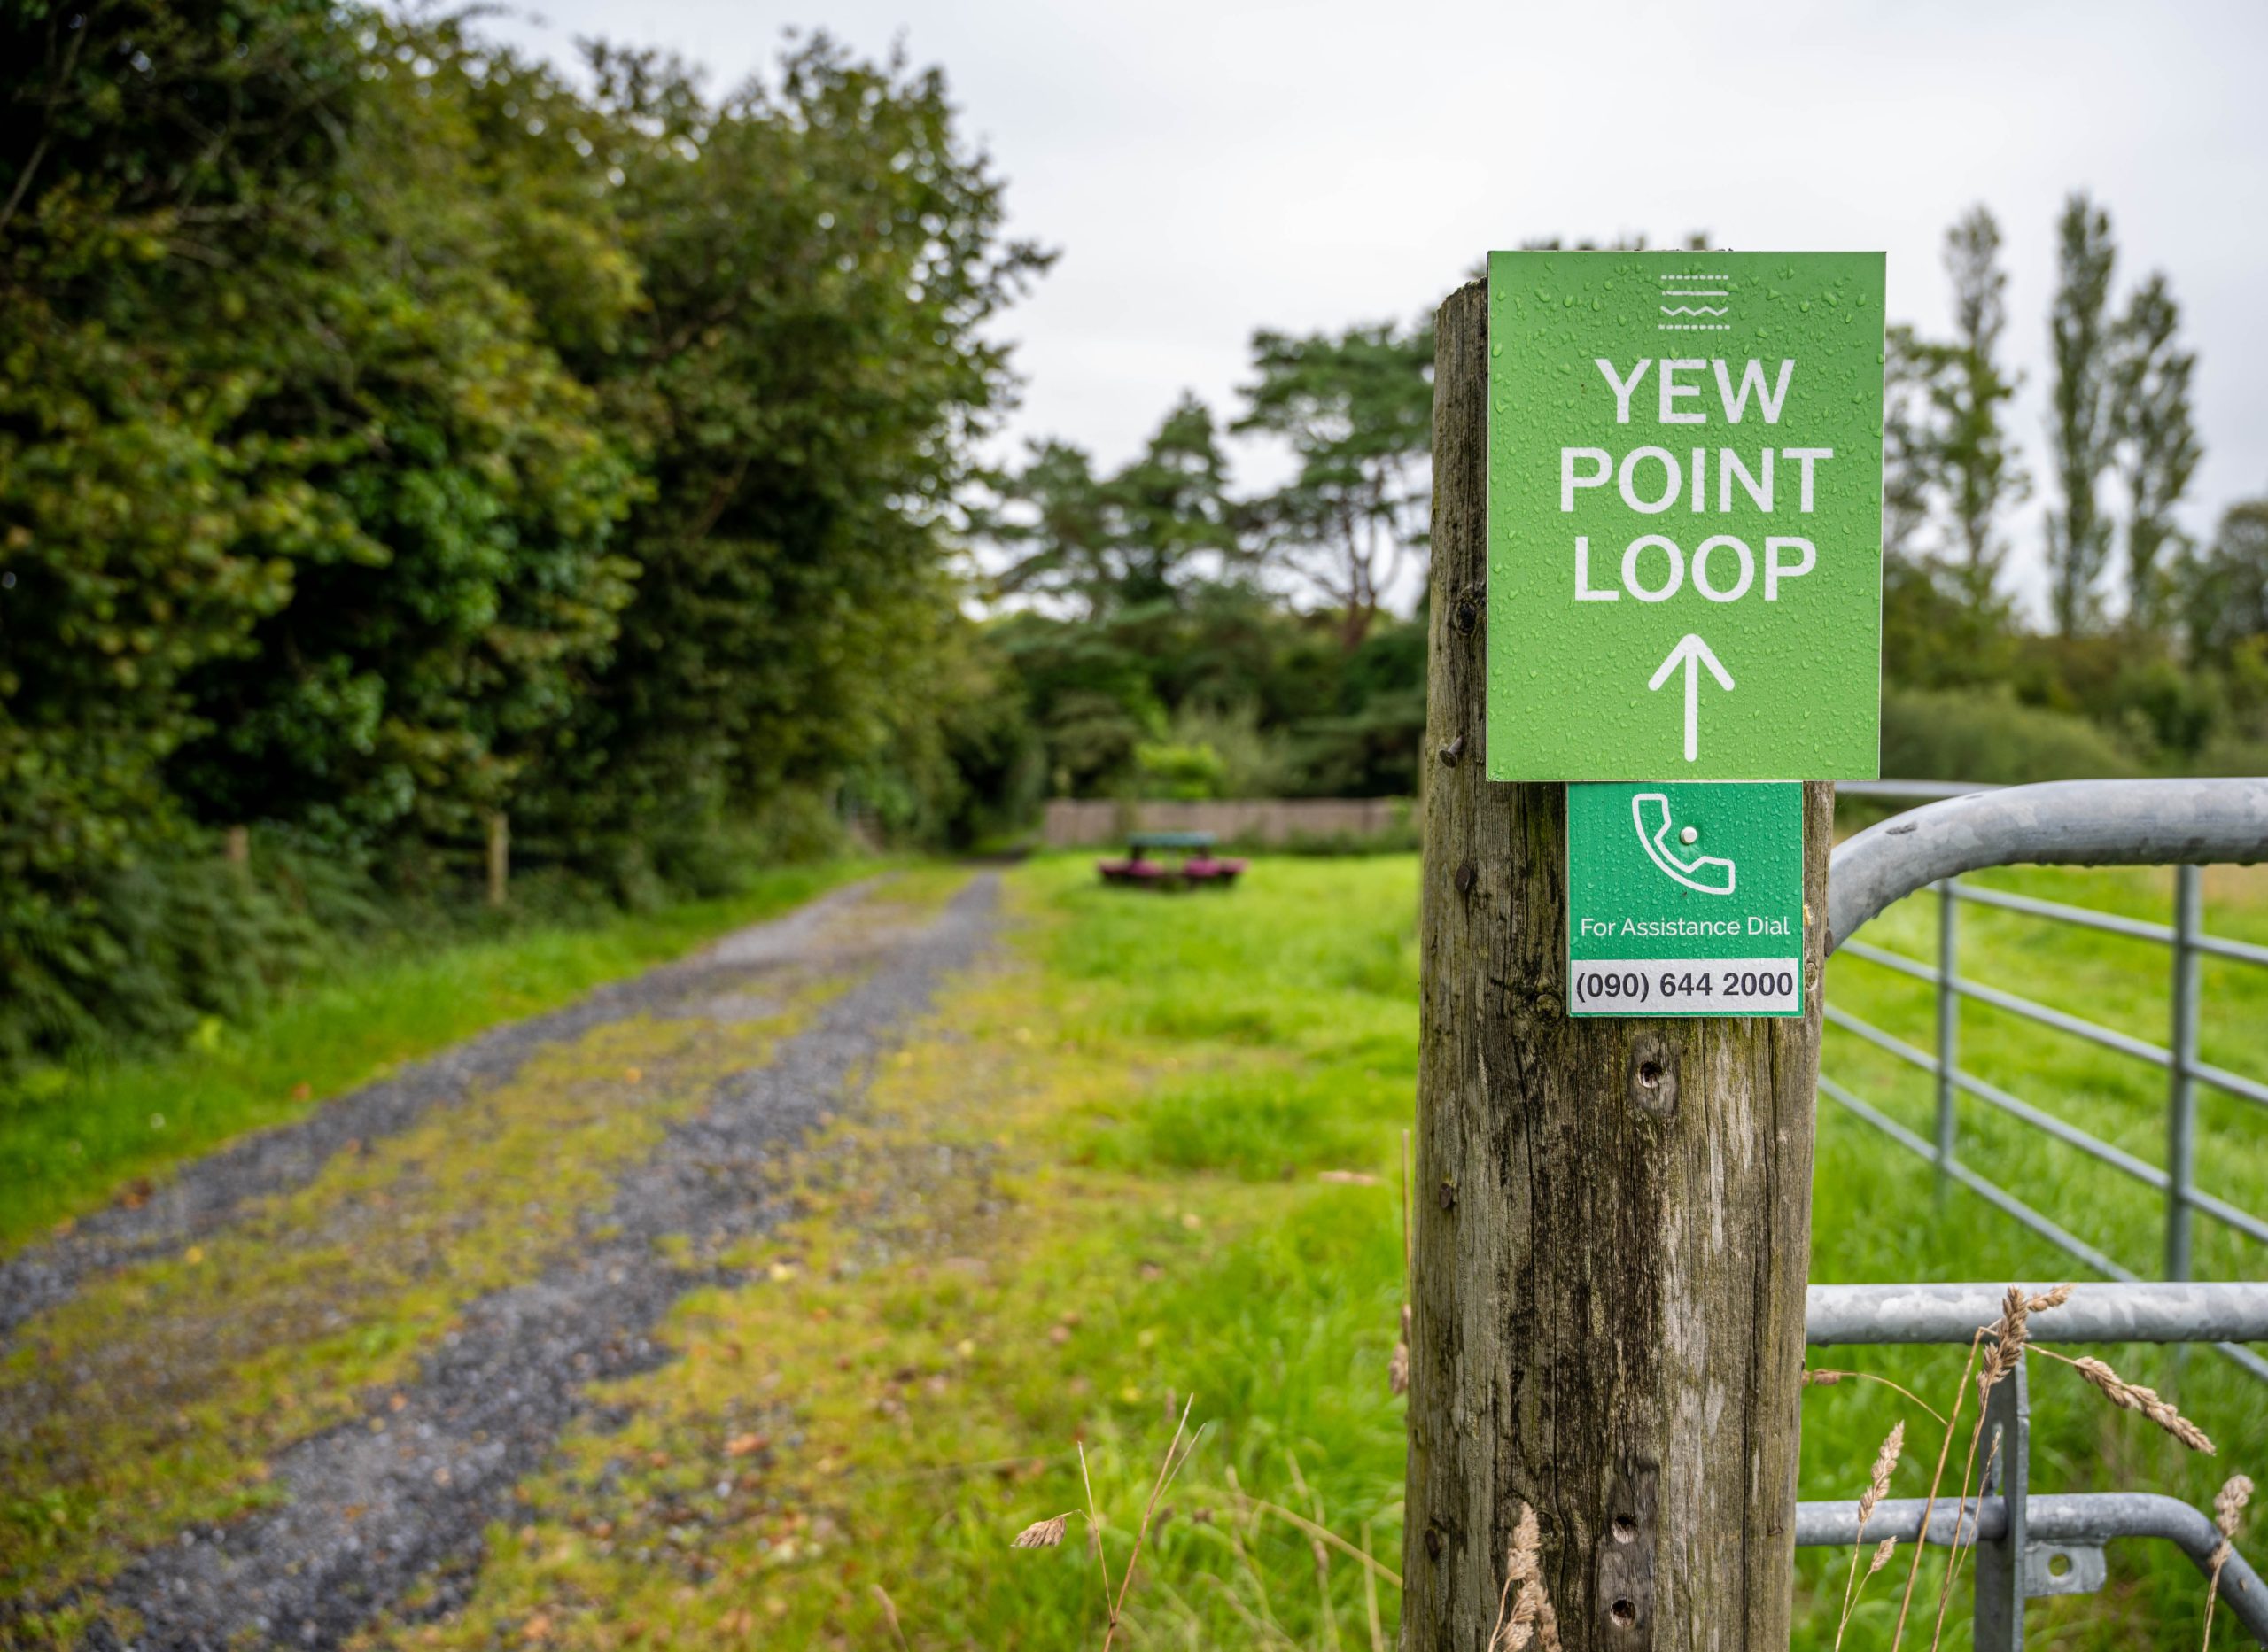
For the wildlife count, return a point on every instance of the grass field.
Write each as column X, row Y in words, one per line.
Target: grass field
column 1151, row 1153
column 70, row 1137
column 1156, row 1155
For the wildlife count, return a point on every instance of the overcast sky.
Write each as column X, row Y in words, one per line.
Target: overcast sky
column 1206, row 166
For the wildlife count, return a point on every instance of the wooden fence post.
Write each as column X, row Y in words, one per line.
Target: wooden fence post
column 237, row 846
column 500, row 856
column 1613, row 1218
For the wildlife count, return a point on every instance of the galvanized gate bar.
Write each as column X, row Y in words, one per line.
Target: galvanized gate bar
column 2095, row 1313
column 2080, row 1520
column 2181, row 1095
column 2086, row 823
column 2086, row 918
column 2140, row 1049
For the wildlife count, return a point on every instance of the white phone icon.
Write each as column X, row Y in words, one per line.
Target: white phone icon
column 1708, row 874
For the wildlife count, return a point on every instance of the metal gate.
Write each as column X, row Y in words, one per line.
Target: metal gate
column 2029, row 1546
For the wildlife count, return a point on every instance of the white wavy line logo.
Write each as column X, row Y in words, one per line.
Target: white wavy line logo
column 1693, row 309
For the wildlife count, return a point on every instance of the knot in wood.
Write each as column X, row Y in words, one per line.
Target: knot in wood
column 1466, row 613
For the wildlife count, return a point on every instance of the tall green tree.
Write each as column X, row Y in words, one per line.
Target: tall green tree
column 1911, row 485
column 1950, row 474
column 392, row 427
column 1061, row 546
column 1983, row 476
column 1158, row 526
column 2082, row 423
column 1356, row 408
column 162, row 164
column 820, row 256
column 2158, row 446
column 1170, row 503
column 422, row 670
column 2223, row 591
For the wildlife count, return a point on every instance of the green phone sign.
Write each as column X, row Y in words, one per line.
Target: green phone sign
column 1684, row 516
column 1685, row 899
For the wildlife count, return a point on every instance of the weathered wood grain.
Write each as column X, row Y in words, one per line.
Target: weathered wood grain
column 1613, row 1217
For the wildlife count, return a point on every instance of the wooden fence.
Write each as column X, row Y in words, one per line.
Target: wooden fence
column 1083, row 823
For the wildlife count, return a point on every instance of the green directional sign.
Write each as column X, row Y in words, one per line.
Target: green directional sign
column 1684, row 514
column 1685, row 899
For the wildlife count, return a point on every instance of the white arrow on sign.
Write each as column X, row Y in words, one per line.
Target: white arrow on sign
column 1693, row 653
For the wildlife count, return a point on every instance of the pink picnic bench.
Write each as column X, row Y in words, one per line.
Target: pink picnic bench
column 1199, row 868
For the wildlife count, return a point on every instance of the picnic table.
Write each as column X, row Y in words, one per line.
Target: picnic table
column 1199, row 867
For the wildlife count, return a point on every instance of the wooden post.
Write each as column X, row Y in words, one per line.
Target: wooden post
column 237, row 846
column 500, row 856
column 1613, row 1216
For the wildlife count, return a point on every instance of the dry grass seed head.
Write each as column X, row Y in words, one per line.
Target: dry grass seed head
column 1041, row 1534
column 1531, row 1618
column 2229, row 1501
column 2134, row 1397
column 1528, row 1542
column 1882, row 1555
column 1885, row 1463
column 2012, row 1330
column 1397, row 1370
column 1822, row 1379
column 2009, row 1334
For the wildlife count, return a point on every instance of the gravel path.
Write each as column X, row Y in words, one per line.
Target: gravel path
column 401, row 1497
column 208, row 1194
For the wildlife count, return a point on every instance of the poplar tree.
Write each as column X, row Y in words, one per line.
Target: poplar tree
column 2081, row 418
column 2158, row 447
column 1981, row 474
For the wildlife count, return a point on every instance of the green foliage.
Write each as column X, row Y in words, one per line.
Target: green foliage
column 1140, row 536
column 820, row 262
column 1183, row 772
column 1287, row 709
column 432, row 435
column 2159, row 448
column 1255, row 762
column 1986, row 735
column 2082, row 412
column 1357, row 408
column 144, row 531
column 1949, row 468
column 2223, row 590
